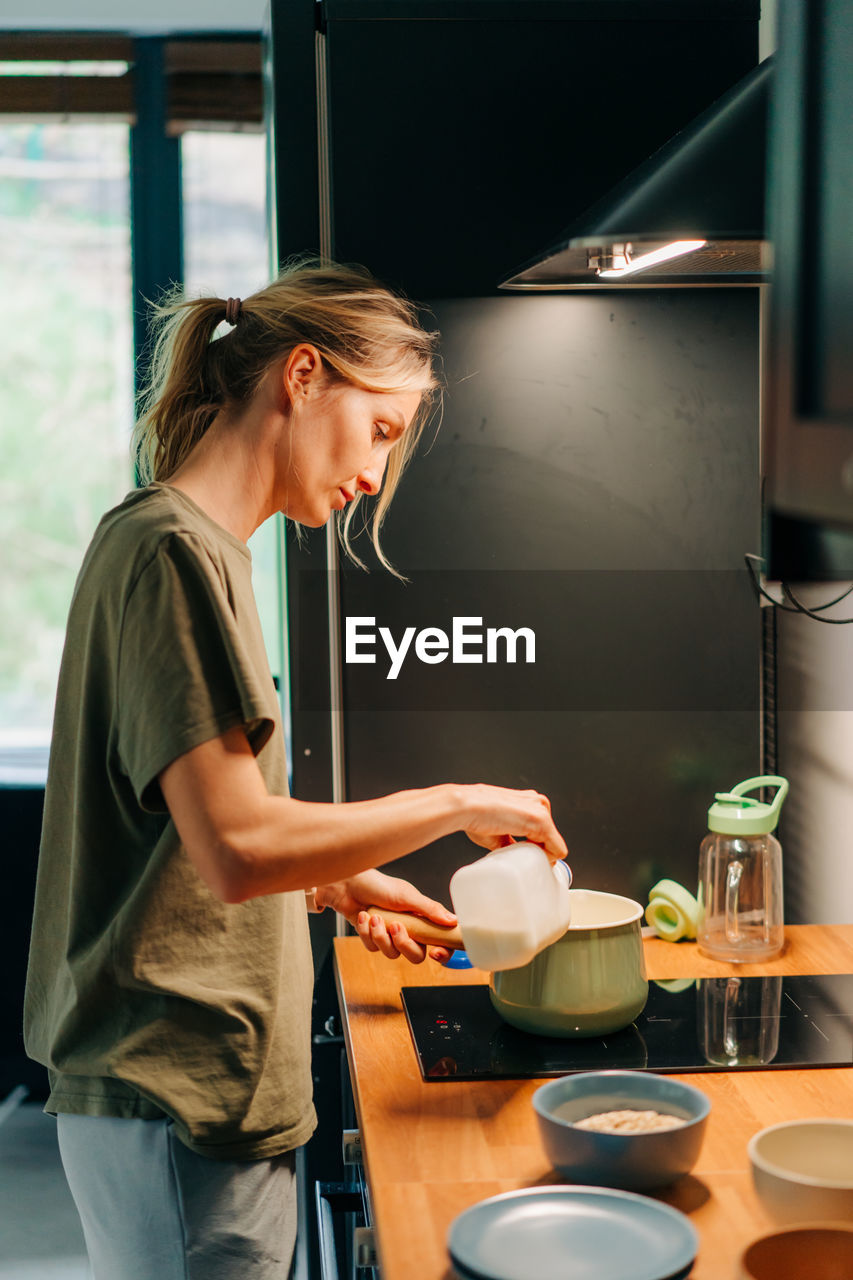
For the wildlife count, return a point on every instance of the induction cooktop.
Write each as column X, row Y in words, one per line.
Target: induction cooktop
column 692, row 1024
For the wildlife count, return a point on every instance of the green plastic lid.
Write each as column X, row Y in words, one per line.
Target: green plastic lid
column 736, row 814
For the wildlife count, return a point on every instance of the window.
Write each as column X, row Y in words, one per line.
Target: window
column 224, row 208
column 67, row 104
column 66, row 398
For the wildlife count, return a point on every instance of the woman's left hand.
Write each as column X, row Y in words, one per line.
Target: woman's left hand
column 375, row 889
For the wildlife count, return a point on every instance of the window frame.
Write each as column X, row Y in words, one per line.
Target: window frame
column 208, row 81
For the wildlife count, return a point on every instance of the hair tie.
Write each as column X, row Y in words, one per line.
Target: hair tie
column 232, row 310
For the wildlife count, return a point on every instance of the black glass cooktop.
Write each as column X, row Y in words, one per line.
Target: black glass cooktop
column 702, row 1024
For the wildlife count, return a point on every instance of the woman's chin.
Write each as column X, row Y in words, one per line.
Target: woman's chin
column 310, row 519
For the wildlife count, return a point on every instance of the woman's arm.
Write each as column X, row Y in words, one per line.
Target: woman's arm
column 245, row 842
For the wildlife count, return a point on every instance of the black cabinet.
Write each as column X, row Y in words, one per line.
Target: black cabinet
column 456, row 138
column 809, row 400
column 458, row 147
column 21, row 810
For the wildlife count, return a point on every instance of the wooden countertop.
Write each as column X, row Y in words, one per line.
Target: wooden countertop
column 431, row 1150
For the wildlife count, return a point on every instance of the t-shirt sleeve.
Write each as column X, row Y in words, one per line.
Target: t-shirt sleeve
column 184, row 674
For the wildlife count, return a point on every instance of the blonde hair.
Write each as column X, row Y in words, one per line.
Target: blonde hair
column 367, row 336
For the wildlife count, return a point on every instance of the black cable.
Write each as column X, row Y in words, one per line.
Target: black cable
column 816, row 608
column 759, row 590
column 798, row 606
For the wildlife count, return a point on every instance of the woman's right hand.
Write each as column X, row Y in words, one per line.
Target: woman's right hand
column 497, row 815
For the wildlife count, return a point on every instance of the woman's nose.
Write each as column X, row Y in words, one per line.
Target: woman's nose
column 369, row 479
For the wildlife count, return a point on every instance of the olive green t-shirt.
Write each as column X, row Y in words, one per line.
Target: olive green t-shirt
column 147, row 995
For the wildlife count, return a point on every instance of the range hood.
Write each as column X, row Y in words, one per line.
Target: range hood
column 695, row 207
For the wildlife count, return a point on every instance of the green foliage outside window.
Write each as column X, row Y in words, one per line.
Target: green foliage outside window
column 65, row 386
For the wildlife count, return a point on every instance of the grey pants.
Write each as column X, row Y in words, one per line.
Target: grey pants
column 154, row 1210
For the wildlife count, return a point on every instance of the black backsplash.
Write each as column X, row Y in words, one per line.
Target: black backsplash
column 595, row 478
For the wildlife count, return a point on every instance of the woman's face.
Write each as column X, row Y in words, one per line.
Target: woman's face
column 338, row 442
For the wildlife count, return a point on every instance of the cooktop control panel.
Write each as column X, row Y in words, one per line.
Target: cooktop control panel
column 690, row 1024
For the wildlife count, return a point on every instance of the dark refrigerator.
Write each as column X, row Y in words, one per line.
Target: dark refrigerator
column 594, row 481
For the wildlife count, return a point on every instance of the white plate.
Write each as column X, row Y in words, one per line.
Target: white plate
column 572, row 1233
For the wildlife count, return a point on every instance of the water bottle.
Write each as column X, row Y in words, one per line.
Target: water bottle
column 511, row 904
column 740, row 876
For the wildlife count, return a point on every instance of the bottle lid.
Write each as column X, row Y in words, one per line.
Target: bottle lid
column 736, row 814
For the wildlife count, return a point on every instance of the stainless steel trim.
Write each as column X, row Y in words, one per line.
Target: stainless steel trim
column 324, row 173
column 364, row 1248
column 333, row 581
column 766, row 682
column 351, row 1147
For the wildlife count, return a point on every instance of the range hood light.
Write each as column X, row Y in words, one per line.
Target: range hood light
column 650, row 259
column 616, row 258
column 707, row 181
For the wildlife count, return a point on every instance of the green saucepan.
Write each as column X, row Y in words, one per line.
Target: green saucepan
column 590, row 982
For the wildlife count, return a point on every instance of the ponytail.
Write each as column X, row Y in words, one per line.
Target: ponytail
column 178, row 403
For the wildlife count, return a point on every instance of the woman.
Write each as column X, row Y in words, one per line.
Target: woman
column 170, row 980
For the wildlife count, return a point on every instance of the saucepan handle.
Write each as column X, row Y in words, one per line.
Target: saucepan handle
column 425, row 931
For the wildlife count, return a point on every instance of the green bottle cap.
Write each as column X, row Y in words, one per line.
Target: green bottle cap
column 736, row 814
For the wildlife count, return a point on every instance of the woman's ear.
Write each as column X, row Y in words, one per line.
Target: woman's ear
column 302, row 373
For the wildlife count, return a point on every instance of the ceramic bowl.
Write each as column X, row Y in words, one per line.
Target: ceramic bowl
column 627, row 1161
column 803, row 1170
column 824, row 1253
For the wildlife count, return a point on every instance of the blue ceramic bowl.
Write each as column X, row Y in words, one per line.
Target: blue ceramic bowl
column 628, row 1161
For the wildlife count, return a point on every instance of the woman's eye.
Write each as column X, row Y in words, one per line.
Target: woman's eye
column 380, row 431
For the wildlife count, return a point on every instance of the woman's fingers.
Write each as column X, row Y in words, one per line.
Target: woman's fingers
column 391, row 940
column 362, row 928
column 406, row 946
column 499, row 813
